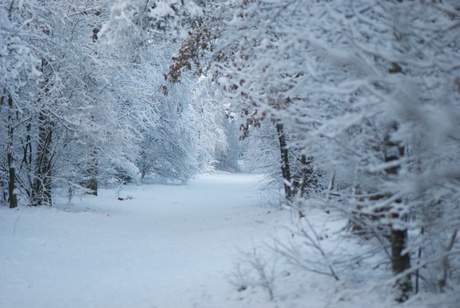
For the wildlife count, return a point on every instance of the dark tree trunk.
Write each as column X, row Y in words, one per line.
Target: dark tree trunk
column 42, row 187
column 12, row 198
column 399, row 238
column 92, row 173
column 308, row 178
column 285, row 168
column 401, row 262
column 27, row 160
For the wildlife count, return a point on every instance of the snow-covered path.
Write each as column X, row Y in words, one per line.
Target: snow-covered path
column 169, row 246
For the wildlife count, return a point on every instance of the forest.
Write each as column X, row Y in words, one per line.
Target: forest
column 349, row 107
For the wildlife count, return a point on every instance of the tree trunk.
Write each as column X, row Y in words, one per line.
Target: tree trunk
column 445, row 267
column 285, row 168
column 12, row 198
column 92, row 173
column 27, row 160
column 398, row 233
column 307, row 178
column 401, row 262
column 42, row 188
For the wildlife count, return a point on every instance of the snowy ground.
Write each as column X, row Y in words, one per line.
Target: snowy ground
column 168, row 246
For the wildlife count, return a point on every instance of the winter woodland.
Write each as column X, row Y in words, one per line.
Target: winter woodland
column 351, row 108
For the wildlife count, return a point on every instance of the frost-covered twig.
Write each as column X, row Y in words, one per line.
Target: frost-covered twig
column 294, row 254
column 257, row 270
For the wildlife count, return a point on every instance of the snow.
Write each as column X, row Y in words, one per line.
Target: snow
column 168, row 246
column 173, row 246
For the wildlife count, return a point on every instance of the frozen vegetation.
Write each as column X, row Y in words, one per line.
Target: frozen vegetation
column 127, row 127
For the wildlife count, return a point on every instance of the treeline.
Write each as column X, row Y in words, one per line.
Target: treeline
column 83, row 99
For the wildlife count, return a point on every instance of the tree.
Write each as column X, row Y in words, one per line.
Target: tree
column 63, row 99
column 173, row 141
column 19, row 72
